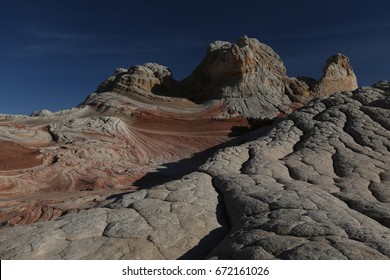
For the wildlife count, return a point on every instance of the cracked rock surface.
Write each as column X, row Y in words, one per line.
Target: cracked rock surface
column 313, row 186
column 181, row 219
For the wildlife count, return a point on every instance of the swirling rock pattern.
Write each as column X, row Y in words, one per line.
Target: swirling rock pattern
column 70, row 163
column 313, row 186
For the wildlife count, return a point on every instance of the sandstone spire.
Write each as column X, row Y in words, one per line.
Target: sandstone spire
column 337, row 76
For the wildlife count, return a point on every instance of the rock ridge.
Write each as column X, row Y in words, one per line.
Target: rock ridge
column 247, row 76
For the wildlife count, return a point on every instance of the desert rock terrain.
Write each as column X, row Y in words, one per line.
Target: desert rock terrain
column 221, row 165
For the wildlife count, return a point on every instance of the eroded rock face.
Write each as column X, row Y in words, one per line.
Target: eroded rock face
column 313, row 186
column 337, row 76
column 247, row 74
column 139, row 79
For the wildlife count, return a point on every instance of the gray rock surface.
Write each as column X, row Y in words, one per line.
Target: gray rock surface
column 383, row 85
column 181, row 219
column 313, row 186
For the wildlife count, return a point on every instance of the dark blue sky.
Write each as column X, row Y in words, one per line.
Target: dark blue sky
column 54, row 53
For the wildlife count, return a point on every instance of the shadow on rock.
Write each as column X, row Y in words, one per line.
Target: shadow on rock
column 175, row 170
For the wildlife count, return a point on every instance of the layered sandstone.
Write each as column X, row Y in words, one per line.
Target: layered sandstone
column 337, row 76
column 246, row 76
column 142, row 128
column 313, row 186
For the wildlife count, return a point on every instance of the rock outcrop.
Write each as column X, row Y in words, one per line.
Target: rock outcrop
column 383, row 85
column 247, row 77
column 142, row 80
column 313, row 186
column 337, row 76
column 123, row 152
